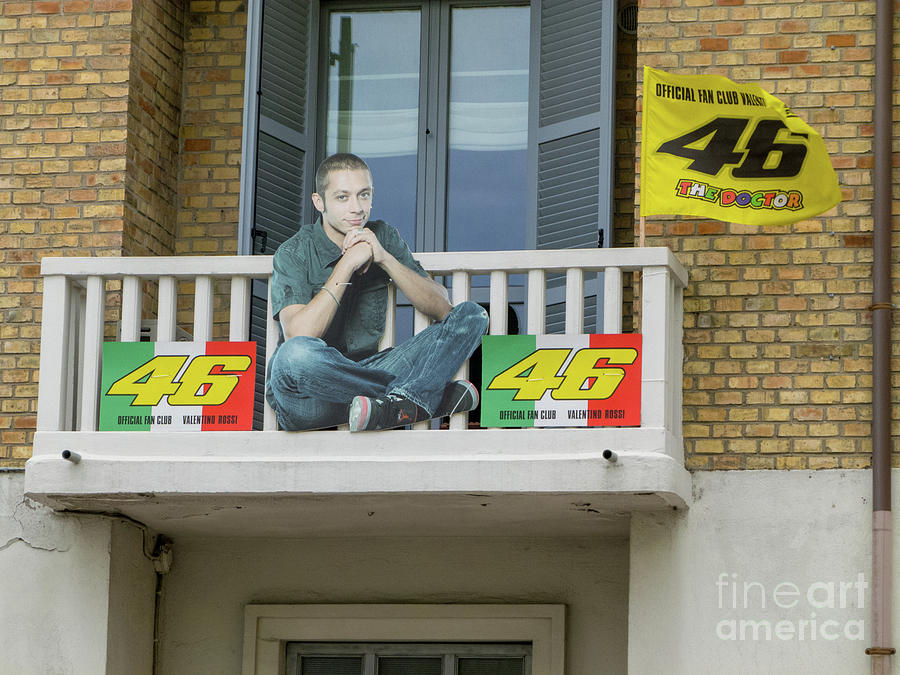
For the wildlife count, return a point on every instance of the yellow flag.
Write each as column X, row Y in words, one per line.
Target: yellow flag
column 718, row 149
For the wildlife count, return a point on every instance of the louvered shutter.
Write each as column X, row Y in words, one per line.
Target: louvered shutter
column 284, row 145
column 573, row 51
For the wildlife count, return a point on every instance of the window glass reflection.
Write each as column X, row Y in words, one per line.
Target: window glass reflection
column 373, row 105
column 488, row 120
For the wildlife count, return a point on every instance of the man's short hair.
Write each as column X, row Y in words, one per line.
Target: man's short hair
column 342, row 161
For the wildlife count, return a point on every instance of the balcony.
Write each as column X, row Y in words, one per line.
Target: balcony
column 453, row 481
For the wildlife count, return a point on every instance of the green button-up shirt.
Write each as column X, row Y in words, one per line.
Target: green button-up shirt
column 304, row 263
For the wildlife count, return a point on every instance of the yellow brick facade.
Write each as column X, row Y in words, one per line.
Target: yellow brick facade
column 778, row 353
column 211, row 128
column 64, row 78
column 209, row 187
column 120, row 134
column 154, row 117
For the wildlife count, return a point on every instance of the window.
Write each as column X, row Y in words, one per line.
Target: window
column 305, row 658
column 454, row 75
column 434, row 96
column 467, row 80
column 476, row 639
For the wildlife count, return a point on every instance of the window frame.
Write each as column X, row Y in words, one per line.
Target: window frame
column 434, row 93
column 538, row 134
column 268, row 628
column 370, row 652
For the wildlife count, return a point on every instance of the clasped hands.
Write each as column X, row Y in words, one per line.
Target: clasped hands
column 361, row 248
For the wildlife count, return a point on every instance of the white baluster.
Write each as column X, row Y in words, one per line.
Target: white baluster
column 656, row 314
column 54, row 352
column 239, row 310
column 460, row 294
column 270, row 422
column 537, row 302
column 95, row 306
column 420, row 323
column 612, row 300
column 132, row 301
column 499, row 308
column 166, row 310
column 203, row 309
column 574, row 301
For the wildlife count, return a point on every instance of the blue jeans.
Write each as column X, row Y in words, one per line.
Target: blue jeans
column 310, row 385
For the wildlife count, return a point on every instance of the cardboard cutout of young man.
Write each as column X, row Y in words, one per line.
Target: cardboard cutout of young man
column 329, row 295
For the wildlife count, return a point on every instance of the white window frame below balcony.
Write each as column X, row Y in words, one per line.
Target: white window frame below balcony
column 268, row 628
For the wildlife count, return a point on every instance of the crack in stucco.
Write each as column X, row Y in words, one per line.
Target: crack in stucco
column 33, row 524
column 12, row 541
column 39, row 522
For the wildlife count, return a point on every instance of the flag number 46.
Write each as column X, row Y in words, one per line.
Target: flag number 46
column 207, row 380
column 589, row 375
column 762, row 157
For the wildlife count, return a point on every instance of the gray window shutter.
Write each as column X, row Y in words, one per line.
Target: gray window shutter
column 277, row 173
column 571, row 131
column 331, row 665
column 284, row 145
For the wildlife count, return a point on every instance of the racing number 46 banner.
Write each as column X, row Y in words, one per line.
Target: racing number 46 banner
column 177, row 386
column 561, row 380
column 718, row 149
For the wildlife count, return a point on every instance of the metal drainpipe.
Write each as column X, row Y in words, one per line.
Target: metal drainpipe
column 881, row 308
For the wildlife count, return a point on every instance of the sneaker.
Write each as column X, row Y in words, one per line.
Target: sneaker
column 459, row 396
column 368, row 413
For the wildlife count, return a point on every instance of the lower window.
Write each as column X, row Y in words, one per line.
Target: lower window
column 305, row 658
column 409, row 639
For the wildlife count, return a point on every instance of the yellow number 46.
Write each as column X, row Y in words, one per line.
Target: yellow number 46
column 199, row 385
column 582, row 379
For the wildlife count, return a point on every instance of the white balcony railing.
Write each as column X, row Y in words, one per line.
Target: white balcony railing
column 76, row 312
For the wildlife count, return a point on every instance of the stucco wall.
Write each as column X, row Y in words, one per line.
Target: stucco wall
column 769, row 570
column 64, row 607
column 54, row 587
column 211, row 581
column 131, row 598
column 788, row 539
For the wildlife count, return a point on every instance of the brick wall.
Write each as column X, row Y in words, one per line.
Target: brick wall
column 93, row 161
column 154, row 114
column 624, row 160
column 63, row 103
column 209, row 184
column 120, row 131
column 777, row 335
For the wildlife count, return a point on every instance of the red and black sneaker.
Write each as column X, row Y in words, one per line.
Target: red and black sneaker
column 368, row 413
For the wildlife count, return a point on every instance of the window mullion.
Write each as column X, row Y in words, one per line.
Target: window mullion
column 430, row 131
column 449, row 664
column 369, row 661
column 440, row 100
column 424, row 222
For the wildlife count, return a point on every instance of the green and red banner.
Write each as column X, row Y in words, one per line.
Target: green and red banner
column 561, row 380
column 177, row 386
